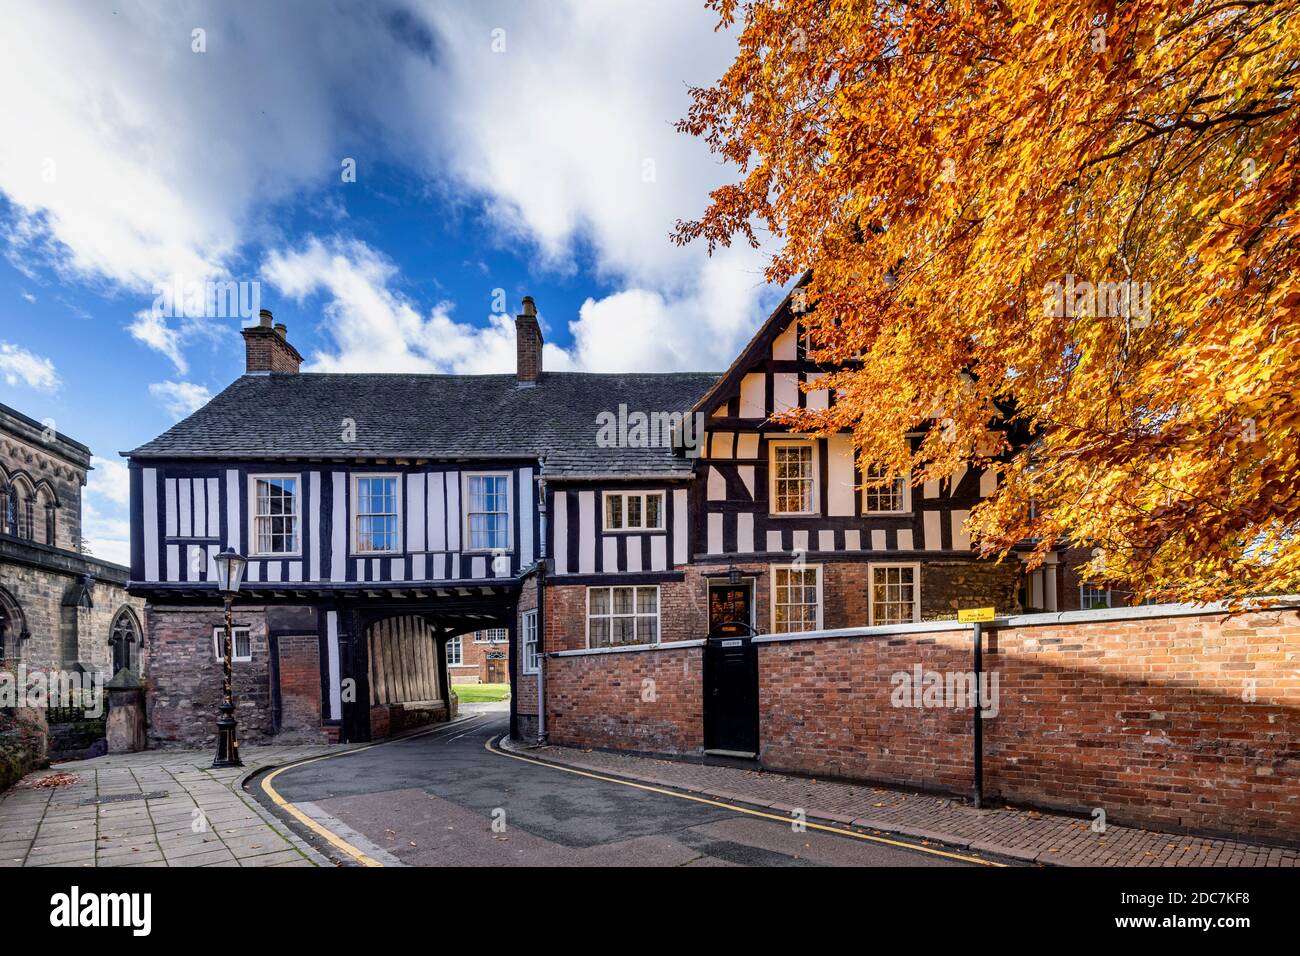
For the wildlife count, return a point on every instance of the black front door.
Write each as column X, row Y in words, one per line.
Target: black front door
column 731, row 608
column 731, row 692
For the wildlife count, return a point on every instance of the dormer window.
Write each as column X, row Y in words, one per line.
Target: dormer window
column 634, row 511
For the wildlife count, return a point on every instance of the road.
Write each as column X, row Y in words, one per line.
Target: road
column 445, row 799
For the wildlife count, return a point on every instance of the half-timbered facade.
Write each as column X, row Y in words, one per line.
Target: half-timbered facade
column 386, row 515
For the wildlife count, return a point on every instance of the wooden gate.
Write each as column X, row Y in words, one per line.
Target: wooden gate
column 403, row 661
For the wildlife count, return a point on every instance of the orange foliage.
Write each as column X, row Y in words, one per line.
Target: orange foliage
column 1089, row 207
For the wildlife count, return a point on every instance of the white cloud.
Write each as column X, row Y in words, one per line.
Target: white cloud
column 152, row 329
column 28, row 296
column 108, row 535
column 141, row 161
column 104, row 523
column 19, row 365
column 109, row 479
column 375, row 328
column 180, row 398
column 566, row 136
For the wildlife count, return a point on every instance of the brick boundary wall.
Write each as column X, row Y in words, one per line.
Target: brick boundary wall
column 1141, row 712
column 1141, row 716
column 602, row 698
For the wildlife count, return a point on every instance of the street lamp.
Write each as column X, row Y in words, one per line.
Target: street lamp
column 733, row 574
column 230, row 573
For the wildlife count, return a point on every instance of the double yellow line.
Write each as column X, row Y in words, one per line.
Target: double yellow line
column 325, row 834
column 361, row 857
column 826, row 828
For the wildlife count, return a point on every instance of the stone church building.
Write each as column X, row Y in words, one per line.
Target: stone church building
column 60, row 608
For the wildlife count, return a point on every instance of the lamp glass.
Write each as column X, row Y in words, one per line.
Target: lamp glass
column 230, row 570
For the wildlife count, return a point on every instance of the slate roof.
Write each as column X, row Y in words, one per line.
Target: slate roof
column 434, row 417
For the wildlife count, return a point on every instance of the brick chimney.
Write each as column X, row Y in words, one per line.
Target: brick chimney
column 267, row 347
column 528, row 344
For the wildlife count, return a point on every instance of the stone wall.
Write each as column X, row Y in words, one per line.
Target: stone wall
column 184, row 677
column 34, row 458
column 66, row 622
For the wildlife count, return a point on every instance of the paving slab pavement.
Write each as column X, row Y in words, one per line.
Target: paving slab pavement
column 155, row 808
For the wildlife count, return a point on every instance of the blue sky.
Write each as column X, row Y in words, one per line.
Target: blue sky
column 521, row 147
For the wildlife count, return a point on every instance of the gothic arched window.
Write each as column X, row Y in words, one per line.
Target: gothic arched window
column 13, row 627
column 125, row 638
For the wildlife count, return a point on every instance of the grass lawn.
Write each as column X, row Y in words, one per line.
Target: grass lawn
column 481, row 693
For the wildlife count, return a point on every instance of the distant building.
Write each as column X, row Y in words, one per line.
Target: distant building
column 479, row 657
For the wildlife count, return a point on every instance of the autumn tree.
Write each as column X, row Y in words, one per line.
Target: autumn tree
column 1077, row 218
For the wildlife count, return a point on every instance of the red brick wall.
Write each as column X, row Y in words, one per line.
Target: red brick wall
column 648, row 700
column 1142, row 718
column 300, row 694
column 524, row 690
column 824, row 708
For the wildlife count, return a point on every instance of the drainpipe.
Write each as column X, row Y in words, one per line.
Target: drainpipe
column 541, row 610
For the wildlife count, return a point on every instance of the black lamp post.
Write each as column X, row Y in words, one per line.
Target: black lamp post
column 733, row 574
column 230, row 574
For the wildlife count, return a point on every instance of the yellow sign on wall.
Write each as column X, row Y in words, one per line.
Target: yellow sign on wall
column 975, row 615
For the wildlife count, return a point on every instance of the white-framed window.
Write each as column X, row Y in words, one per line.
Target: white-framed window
column 376, row 514
column 493, row 635
column 622, row 615
column 529, row 622
column 894, row 595
column 796, row 598
column 487, row 512
column 1091, row 597
column 890, row 499
column 454, row 652
column 275, row 514
column 243, row 644
column 634, row 511
column 792, row 468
